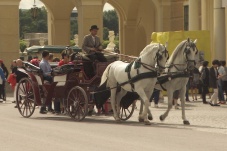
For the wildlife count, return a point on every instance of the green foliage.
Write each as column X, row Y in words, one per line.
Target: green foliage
column 72, row 43
column 74, row 28
column 22, row 45
column 110, row 20
column 105, row 33
column 106, row 42
column 28, row 25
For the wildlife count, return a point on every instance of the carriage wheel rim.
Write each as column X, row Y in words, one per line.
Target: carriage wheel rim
column 77, row 103
column 123, row 112
column 25, row 97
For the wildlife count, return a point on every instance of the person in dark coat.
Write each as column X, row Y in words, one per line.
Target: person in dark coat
column 213, row 77
column 204, row 78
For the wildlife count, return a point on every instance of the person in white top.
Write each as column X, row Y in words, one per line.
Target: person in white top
column 222, row 73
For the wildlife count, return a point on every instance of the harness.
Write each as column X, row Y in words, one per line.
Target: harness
column 137, row 64
column 170, row 76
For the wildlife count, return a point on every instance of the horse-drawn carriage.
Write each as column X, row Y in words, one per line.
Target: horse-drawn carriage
column 122, row 82
column 70, row 83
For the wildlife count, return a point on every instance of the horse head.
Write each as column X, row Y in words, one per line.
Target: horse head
column 190, row 52
column 162, row 56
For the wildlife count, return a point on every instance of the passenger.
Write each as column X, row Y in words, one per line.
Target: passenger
column 46, row 68
column 93, row 47
column 57, row 102
column 19, row 75
column 65, row 59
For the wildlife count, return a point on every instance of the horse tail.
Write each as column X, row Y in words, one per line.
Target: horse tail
column 105, row 75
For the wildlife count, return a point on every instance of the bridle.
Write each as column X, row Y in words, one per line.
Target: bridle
column 187, row 51
column 158, row 57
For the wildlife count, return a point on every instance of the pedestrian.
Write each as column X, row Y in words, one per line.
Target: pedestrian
column 6, row 73
column 155, row 96
column 224, row 79
column 194, row 83
column 187, row 89
column 204, row 81
column 221, row 72
column 213, row 81
column 2, row 79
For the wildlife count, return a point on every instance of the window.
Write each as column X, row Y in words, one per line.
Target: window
column 186, row 17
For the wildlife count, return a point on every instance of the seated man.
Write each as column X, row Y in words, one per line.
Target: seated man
column 46, row 68
column 93, row 47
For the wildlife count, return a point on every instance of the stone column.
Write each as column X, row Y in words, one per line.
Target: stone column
column 204, row 14
column 129, row 36
column 50, row 28
column 193, row 15
column 9, row 30
column 59, row 12
column 90, row 13
column 61, row 31
column 219, row 30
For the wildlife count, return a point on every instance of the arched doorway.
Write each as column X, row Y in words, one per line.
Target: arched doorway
column 74, row 27
column 110, row 26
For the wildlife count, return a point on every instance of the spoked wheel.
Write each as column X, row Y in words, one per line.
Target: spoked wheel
column 25, row 97
column 125, row 114
column 77, row 103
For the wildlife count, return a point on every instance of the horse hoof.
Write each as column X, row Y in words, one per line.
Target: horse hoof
column 140, row 120
column 186, row 123
column 147, row 123
column 150, row 118
column 161, row 118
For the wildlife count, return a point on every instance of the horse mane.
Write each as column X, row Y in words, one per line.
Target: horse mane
column 146, row 49
column 177, row 50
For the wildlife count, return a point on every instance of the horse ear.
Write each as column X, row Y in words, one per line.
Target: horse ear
column 195, row 41
column 188, row 39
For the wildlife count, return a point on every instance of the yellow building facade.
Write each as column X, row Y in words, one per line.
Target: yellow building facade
column 138, row 19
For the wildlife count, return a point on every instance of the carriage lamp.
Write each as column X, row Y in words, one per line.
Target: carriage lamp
column 34, row 11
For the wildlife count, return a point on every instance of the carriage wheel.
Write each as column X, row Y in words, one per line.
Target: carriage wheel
column 77, row 103
column 125, row 114
column 25, row 97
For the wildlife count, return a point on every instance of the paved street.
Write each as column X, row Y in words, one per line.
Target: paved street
column 207, row 131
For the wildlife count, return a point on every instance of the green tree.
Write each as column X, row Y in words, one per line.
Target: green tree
column 23, row 45
column 28, row 25
column 74, row 28
column 110, row 20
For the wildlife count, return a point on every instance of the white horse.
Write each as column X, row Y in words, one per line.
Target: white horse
column 179, row 64
column 115, row 74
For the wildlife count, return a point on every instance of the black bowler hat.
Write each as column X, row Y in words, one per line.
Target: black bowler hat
column 94, row 27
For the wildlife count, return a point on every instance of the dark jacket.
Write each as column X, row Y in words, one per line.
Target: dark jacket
column 213, row 78
column 205, row 80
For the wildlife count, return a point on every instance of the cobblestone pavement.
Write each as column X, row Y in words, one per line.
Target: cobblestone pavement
column 207, row 131
column 202, row 117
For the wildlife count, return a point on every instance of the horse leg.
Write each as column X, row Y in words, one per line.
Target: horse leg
column 141, row 110
column 182, row 95
column 145, row 100
column 170, row 104
column 113, row 103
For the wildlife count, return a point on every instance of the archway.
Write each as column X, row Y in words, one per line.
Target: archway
column 74, row 27
column 110, row 23
column 33, row 27
column 121, row 18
